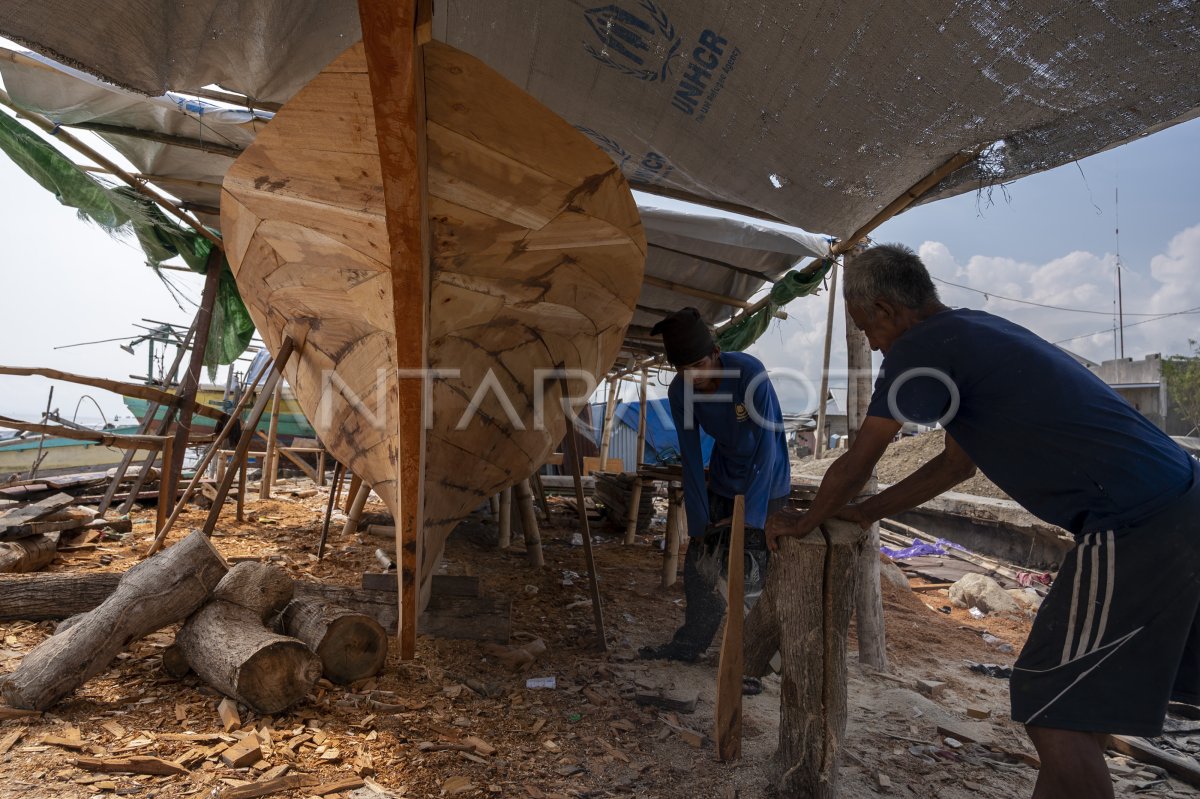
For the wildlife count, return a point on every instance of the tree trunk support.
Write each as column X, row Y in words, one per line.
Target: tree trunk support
column 529, row 522
column 804, row 614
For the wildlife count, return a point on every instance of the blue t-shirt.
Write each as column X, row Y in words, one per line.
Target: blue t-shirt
column 1041, row 426
column 749, row 453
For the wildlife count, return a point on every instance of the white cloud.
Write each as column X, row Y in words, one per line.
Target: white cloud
column 1079, row 280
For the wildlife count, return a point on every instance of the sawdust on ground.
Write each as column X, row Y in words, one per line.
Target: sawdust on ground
column 585, row 738
column 903, row 458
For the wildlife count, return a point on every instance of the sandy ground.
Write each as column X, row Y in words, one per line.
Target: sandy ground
column 902, row 459
column 585, row 738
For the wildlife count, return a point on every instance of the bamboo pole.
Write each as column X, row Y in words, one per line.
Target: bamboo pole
column 635, row 500
column 575, row 464
column 271, row 459
column 533, row 535
column 186, row 394
column 505, row 517
column 352, row 491
column 71, row 141
column 691, row 291
column 610, row 409
column 159, row 137
column 354, row 515
column 822, row 437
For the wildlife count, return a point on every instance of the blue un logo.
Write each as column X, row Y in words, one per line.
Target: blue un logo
column 639, row 45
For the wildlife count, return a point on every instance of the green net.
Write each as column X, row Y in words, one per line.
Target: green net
column 122, row 210
column 796, row 283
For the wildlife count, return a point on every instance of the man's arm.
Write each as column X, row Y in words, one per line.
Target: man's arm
column 842, row 482
column 948, row 469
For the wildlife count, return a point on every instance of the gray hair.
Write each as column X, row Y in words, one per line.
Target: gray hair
column 892, row 273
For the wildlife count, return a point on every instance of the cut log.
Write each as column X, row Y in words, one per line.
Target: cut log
column 156, row 592
column 351, row 645
column 227, row 643
column 804, row 612
column 174, row 663
column 28, row 554
column 48, row 597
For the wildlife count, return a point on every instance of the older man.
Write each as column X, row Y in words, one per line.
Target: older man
column 1117, row 636
column 730, row 397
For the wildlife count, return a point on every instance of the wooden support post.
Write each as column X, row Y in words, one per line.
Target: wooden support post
column 321, row 467
column 186, row 402
column 505, row 514
column 213, row 451
column 675, row 527
column 535, row 481
column 872, row 638
column 728, row 722
column 271, row 458
column 241, row 469
column 393, row 31
column 635, row 500
column 337, row 476
column 821, row 438
column 352, row 492
column 575, row 465
column 166, row 498
column 804, row 614
column 533, row 536
column 354, row 516
column 610, row 408
column 243, row 447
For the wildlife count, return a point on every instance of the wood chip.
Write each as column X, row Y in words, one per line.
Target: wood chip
column 348, row 784
column 114, row 729
column 10, row 740
column 481, row 746
column 456, row 785
column 154, row 766
column 244, row 753
column 268, row 787
column 227, row 710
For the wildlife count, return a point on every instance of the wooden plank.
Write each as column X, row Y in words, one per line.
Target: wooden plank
column 12, row 520
column 267, row 787
column 1184, row 769
column 728, row 722
column 155, row 766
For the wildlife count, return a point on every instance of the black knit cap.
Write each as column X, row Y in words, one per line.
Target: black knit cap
column 686, row 336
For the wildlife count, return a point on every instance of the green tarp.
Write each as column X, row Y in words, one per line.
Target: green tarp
column 796, row 283
column 122, row 210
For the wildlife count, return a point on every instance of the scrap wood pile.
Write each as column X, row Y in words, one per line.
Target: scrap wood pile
column 32, row 533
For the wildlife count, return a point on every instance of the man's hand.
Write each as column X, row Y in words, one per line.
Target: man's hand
column 787, row 522
column 854, row 513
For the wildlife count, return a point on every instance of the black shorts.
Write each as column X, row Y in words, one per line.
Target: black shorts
column 1118, row 635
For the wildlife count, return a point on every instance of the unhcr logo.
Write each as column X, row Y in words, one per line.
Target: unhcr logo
column 644, row 46
column 635, row 45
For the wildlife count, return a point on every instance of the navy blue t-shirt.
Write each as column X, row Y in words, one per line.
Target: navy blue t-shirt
column 1041, row 426
column 749, row 455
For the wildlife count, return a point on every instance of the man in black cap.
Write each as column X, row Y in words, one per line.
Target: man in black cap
column 730, row 396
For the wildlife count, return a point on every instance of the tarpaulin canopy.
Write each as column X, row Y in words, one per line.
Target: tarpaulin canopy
column 817, row 113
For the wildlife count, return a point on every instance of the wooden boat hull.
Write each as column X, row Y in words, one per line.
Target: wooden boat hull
column 536, row 252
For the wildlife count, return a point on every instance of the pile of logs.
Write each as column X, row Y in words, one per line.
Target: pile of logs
column 31, row 532
column 244, row 631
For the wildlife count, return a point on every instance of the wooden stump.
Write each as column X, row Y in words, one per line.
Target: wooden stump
column 351, row 645
column 28, row 554
column 804, row 613
column 156, row 592
column 228, row 644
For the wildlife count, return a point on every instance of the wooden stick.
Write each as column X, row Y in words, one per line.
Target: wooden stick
column 728, row 730
column 610, row 409
column 635, row 499
column 533, row 536
column 575, row 464
column 271, row 459
column 165, row 486
column 135, row 390
column 241, row 469
column 354, row 516
column 54, row 130
column 352, row 492
column 95, row 436
column 212, row 452
column 692, row 291
column 337, row 476
column 186, row 402
column 821, row 438
column 157, row 136
column 505, row 514
column 674, row 527
column 37, row 461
